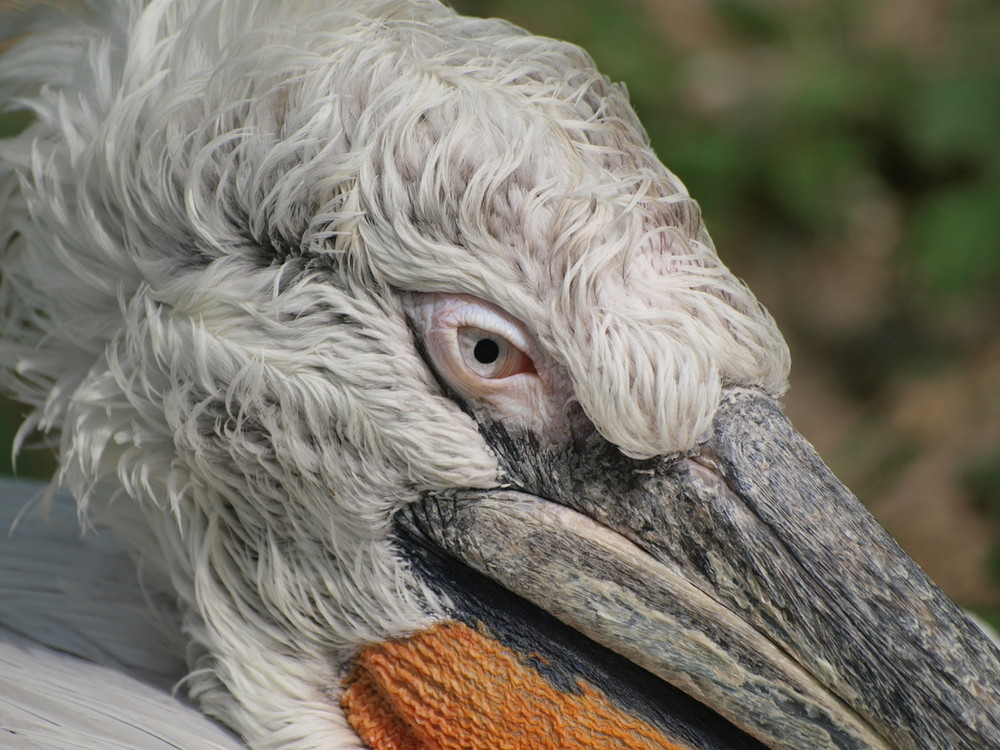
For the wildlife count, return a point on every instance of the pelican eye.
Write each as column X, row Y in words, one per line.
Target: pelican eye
column 491, row 356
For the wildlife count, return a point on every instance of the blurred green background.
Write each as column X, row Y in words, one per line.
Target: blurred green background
column 846, row 154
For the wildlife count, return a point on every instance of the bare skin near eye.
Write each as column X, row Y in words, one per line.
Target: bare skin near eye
column 524, row 386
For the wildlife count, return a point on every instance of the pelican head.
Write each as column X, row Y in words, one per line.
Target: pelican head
column 383, row 341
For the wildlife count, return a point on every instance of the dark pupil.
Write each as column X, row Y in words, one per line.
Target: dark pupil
column 486, row 351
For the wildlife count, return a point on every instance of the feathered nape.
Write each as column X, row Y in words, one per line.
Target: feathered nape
column 206, row 234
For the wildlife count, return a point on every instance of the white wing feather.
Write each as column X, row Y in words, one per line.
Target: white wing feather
column 87, row 658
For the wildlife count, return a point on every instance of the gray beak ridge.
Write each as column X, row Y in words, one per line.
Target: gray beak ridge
column 747, row 576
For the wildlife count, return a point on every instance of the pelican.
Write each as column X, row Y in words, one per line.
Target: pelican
column 419, row 409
